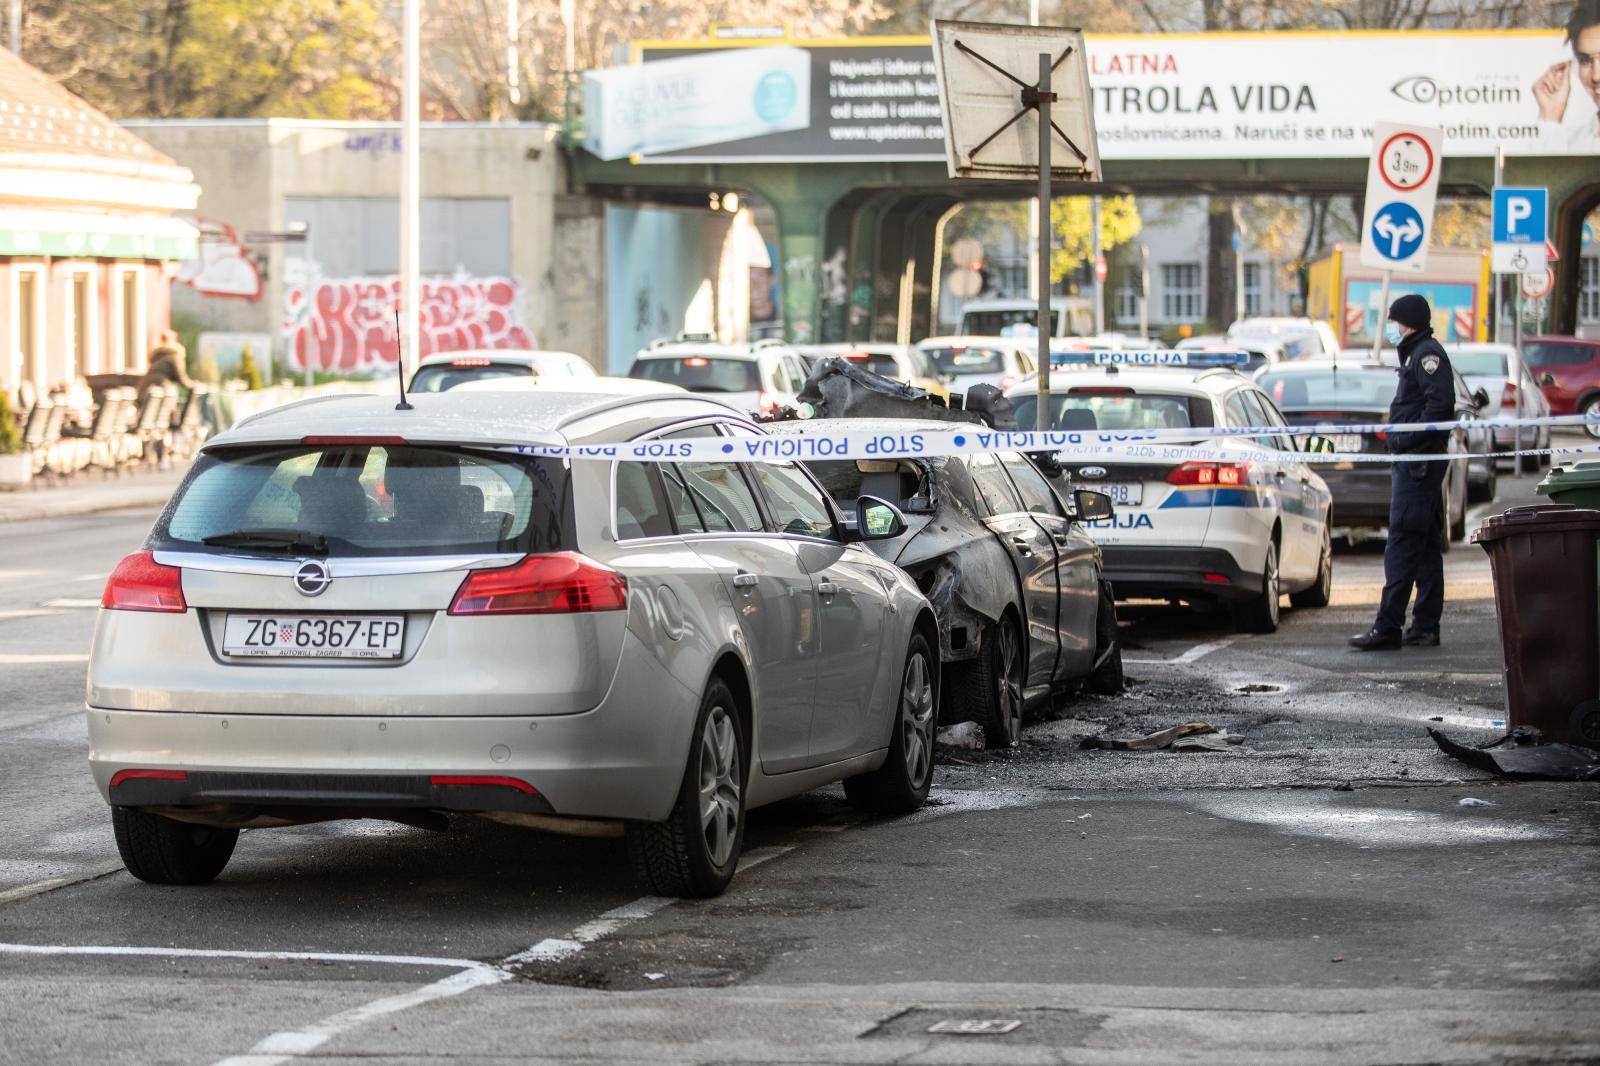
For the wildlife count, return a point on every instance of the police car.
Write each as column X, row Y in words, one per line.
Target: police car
column 1234, row 531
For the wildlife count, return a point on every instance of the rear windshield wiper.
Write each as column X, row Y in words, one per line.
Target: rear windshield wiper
column 295, row 540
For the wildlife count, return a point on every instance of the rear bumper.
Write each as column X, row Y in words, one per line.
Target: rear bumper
column 1360, row 497
column 270, row 791
column 1177, row 573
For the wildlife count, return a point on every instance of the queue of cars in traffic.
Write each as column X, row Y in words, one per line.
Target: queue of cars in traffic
column 353, row 609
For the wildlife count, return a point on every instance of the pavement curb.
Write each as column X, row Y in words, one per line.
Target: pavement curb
column 33, row 511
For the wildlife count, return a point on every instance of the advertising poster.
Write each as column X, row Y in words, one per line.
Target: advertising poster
column 1167, row 96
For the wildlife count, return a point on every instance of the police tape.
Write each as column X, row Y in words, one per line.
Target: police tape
column 813, row 444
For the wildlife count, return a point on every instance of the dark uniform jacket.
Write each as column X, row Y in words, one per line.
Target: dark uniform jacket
column 1427, row 393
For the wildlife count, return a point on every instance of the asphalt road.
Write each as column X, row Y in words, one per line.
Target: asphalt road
column 1316, row 894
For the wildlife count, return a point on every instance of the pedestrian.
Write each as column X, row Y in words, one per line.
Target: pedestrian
column 166, row 363
column 1414, row 554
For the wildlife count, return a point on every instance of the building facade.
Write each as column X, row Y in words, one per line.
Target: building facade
column 89, row 238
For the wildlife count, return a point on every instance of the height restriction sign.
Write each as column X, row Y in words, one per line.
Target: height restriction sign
column 1402, row 183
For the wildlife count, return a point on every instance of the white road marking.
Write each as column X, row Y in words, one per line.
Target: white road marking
column 21, row 659
column 284, row 1046
column 224, row 953
column 1194, row 654
column 69, row 601
column 1496, row 724
column 30, row 613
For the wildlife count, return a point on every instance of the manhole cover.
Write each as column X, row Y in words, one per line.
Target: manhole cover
column 1056, row 1027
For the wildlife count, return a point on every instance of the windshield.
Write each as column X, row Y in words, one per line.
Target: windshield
column 882, row 365
column 1116, row 408
column 957, row 360
column 1557, row 353
column 357, row 499
column 995, row 323
column 1332, row 389
column 701, row 373
column 1298, row 342
column 1483, row 364
column 442, row 377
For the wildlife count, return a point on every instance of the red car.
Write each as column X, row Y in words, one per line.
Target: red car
column 1568, row 371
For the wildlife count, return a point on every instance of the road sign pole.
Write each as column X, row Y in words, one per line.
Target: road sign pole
column 1383, row 311
column 1044, row 330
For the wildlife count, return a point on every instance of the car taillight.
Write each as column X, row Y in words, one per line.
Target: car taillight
column 139, row 583
column 469, row 361
column 766, row 402
column 1202, row 473
column 1007, row 381
column 1509, row 397
column 148, row 775
column 557, row 583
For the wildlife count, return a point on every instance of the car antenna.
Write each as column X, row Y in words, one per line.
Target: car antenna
column 399, row 362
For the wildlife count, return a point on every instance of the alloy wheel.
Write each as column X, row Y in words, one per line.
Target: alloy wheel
column 719, row 785
column 1010, row 682
column 916, row 719
column 1591, row 411
column 1273, row 590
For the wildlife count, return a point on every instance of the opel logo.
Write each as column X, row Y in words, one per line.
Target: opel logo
column 312, row 578
column 1092, row 471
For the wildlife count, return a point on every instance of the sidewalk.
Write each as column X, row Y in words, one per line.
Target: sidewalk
column 91, row 493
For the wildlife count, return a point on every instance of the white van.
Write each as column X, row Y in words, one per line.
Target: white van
column 1070, row 316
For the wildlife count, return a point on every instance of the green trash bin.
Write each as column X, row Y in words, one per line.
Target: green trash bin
column 1577, row 484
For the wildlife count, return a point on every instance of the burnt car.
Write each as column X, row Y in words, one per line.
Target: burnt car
column 997, row 543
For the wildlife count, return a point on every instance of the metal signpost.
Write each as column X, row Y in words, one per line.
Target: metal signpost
column 991, row 100
column 1402, row 183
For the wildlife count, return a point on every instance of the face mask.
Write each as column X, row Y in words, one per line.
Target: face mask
column 1391, row 332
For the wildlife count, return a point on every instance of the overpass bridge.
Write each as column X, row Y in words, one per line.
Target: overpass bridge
column 858, row 200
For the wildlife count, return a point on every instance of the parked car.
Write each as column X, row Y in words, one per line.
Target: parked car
column 1359, row 392
column 445, row 370
column 1512, row 393
column 756, row 378
column 968, row 361
column 998, row 545
column 1223, row 530
column 1567, row 370
column 1070, row 316
column 350, row 610
column 1302, row 338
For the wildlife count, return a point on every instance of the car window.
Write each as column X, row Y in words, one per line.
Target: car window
column 723, row 497
column 1236, row 411
column 959, row 359
column 1036, row 493
column 796, row 504
column 1556, row 353
column 369, row 500
column 999, row 495
column 701, row 373
column 442, row 377
column 1261, row 414
column 641, row 503
column 1481, row 363
column 680, row 500
column 1025, row 361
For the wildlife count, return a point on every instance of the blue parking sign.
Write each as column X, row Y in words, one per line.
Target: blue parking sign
column 1521, row 215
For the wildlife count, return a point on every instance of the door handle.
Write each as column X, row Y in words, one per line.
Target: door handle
column 827, row 588
column 744, row 580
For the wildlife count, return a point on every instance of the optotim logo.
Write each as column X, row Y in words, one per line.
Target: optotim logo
column 776, row 94
column 1422, row 89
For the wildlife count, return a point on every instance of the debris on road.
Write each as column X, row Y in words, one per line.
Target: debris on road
column 1524, row 759
column 1190, row 736
column 1473, row 801
column 962, row 735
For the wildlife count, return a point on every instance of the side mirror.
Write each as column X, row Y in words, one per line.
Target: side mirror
column 1480, row 399
column 1092, row 506
column 1317, row 445
column 878, row 519
column 1547, row 380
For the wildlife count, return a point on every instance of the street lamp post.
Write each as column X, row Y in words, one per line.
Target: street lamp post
column 410, row 188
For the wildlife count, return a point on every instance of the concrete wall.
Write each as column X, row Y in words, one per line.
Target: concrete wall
column 663, row 263
column 246, row 170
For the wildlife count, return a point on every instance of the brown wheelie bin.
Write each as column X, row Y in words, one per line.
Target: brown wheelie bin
column 1544, row 562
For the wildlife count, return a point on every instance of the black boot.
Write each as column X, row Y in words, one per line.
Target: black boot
column 1376, row 639
column 1420, row 638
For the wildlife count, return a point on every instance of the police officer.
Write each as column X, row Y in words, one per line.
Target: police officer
column 1415, row 552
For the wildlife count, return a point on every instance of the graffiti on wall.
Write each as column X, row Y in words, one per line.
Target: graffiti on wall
column 222, row 265
column 349, row 323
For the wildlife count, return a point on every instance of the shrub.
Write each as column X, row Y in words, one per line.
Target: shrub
column 248, row 371
column 10, row 438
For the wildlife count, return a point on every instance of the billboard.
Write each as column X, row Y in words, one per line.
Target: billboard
column 1188, row 96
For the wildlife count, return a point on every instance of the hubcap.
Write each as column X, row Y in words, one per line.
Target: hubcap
column 1592, row 411
column 1272, row 590
column 719, row 785
column 916, row 720
column 1010, row 685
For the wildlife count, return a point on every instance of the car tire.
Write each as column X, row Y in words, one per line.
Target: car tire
column 1321, row 592
column 163, row 851
column 1590, row 410
column 694, row 853
column 990, row 689
column 1491, row 484
column 1259, row 614
column 901, row 784
column 1458, row 525
column 1107, row 679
